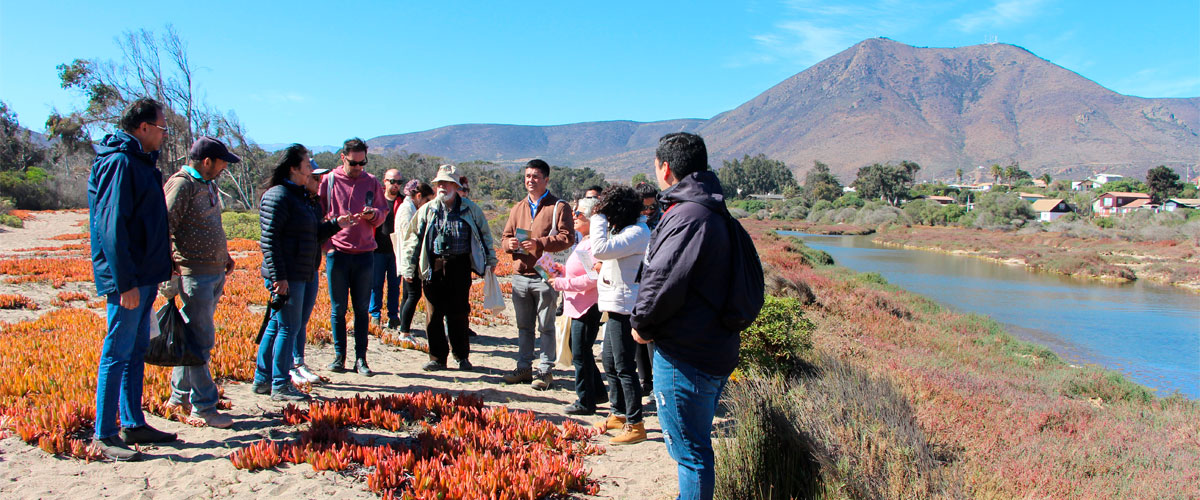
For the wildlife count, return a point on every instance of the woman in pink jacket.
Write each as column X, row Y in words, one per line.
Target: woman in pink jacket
column 579, row 304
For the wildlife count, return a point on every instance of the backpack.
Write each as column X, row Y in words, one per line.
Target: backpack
column 746, row 283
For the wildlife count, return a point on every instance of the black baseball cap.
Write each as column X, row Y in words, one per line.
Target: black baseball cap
column 209, row 147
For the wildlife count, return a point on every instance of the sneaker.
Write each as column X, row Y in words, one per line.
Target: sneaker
column 542, row 382
column 263, row 389
column 393, row 322
column 214, row 419
column 465, row 365
column 631, row 434
column 114, row 449
column 376, row 323
column 578, row 409
column 297, row 378
column 338, row 365
column 519, row 375
column 611, row 423
column 308, row 375
column 289, row 393
column 406, row 337
column 145, row 435
column 360, row 366
column 434, row 365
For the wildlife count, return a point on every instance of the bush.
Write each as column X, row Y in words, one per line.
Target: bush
column 11, row 221
column 779, row 339
column 1105, row 222
column 29, row 190
column 241, row 225
column 1109, row 386
column 1001, row 211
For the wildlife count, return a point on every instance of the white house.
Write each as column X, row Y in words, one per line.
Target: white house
column 1175, row 203
column 1049, row 209
column 1102, row 179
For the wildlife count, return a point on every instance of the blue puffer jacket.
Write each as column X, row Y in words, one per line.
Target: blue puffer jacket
column 685, row 278
column 292, row 233
column 127, row 214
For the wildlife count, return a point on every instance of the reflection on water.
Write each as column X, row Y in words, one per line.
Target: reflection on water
column 1150, row 332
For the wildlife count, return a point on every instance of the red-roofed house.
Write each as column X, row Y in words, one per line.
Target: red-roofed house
column 1114, row 203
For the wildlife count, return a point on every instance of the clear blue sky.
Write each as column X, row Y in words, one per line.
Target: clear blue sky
column 319, row 72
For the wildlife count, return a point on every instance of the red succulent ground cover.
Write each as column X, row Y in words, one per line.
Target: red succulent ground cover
column 1009, row 419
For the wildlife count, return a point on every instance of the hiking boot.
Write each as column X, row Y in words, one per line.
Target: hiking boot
column 114, row 449
column 519, row 375
column 360, row 366
column 610, row 423
column 308, row 375
column 632, row 434
column 145, row 435
column 465, row 365
column 393, row 322
column 214, row 419
column 339, row 364
column 263, row 389
column 578, row 409
column 289, row 393
column 434, row 365
column 542, row 382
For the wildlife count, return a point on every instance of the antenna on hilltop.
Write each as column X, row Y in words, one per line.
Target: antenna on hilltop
column 991, row 40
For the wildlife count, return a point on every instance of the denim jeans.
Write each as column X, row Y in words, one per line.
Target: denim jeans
column 534, row 302
column 384, row 273
column 310, row 300
column 279, row 340
column 198, row 295
column 687, row 401
column 408, row 305
column 447, row 295
column 620, row 368
column 589, row 383
column 349, row 274
column 119, row 376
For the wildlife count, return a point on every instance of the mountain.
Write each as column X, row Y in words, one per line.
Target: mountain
column 881, row 101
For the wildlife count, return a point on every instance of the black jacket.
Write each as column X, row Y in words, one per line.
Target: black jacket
column 292, row 232
column 685, row 278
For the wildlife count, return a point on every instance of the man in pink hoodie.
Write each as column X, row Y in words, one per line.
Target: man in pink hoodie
column 348, row 258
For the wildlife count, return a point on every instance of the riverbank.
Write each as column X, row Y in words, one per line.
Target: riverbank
column 1006, row 419
column 1170, row 262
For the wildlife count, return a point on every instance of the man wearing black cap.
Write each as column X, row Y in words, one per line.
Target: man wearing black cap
column 202, row 261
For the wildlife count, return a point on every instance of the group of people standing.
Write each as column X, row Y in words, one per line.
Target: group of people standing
column 656, row 278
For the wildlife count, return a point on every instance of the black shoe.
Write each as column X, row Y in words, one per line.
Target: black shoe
column 289, row 393
column 393, row 322
column 577, row 409
column 647, row 388
column 434, row 365
column 471, row 333
column 338, row 365
column 263, row 389
column 146, row 435
column 114, row 449
column 360, row 366
column 465, row 365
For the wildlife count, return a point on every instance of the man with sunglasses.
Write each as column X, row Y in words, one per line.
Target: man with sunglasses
column 131, row 255
column 384, row 273
column 349, row 260
column 202, row 261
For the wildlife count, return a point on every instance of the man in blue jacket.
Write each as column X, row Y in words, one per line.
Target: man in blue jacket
column 131, row 255
column 684, row 282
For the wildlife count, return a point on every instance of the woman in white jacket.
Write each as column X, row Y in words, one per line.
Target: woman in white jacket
column 416, row 194
column 619, row 240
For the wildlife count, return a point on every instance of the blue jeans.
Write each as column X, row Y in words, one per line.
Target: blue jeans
column 687, row 402
column 194, row 384
column 279, row 340
column 310, row 300
column 119, row 376
column 533, row 300
column 384, row 273
column 349, row 274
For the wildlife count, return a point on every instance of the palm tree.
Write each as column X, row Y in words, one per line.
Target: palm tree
column 959, row 173
column 996, row 173
column 1045, row 178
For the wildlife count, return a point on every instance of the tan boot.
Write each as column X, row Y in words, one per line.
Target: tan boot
column 612, row 422
column 633, row 434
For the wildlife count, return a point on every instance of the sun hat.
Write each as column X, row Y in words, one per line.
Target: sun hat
column 447, row 173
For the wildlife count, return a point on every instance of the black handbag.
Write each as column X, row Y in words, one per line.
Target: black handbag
column 173, row 346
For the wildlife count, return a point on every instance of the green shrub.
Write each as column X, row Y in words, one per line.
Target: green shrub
column 11, row 221
column 241, row 225
column 1105, row 222
column 1107, row 385
column 875, row 278
column 779, row 339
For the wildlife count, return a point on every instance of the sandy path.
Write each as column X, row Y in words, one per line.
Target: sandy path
column 196, row 466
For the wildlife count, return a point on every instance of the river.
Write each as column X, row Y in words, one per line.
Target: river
column 1149, row 332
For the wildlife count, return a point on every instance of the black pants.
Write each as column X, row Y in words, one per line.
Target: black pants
column 644, row 368
column 620, row 368
column 447, row 296
column 408, row 305
column 589, row 383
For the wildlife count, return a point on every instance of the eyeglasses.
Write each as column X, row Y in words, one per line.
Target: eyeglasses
column 166, row 130
column 389, row 181
column 353, row 163
column 578, row 213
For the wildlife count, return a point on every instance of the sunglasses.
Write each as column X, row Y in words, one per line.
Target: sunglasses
column 389, row 181
column 353, row 163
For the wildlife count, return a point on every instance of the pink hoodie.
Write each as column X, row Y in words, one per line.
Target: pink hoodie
column 579, row 290
column 341, row 194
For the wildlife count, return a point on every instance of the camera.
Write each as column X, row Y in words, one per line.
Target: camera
column 277, row 301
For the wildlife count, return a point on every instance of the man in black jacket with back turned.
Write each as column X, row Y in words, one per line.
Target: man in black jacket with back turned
column 685, row 281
